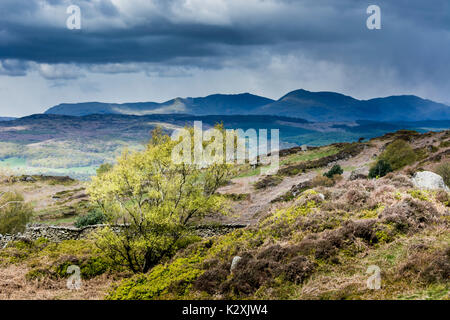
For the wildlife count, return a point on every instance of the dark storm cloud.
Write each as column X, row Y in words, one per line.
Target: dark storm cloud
column 414, row 42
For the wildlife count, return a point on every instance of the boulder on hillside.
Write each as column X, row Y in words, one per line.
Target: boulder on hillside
column 429, row 180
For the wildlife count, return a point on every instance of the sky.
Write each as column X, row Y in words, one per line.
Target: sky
column 156, row 50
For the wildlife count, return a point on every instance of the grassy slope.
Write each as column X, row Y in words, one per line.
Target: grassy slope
column 56, row 201
column 307, row 248
column 311, row 250
column 315, row 248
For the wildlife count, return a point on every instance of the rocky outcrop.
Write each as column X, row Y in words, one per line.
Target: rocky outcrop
column 429, row 180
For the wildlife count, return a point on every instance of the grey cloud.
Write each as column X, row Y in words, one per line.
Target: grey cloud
column 60, row 71
column 13, row 68
column 413, row 45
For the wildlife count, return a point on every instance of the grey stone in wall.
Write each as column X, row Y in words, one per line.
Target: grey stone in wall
column 58, row 234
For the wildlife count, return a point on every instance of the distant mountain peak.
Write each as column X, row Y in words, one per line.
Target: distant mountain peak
column 331, row 106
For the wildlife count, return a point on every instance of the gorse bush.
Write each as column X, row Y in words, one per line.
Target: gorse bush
column 336, row 170
column 92, row 218
column 157, row 199
column 14, row 213
column 47, row 259
column 399, row 154
column 380, row 169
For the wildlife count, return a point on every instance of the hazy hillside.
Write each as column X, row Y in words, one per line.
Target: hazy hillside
column 76, row 146
column 215, row 104
column 331, row 106
column 6, row 118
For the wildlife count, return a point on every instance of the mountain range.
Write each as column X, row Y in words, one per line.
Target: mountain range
column 312, row 106
column 217, row 104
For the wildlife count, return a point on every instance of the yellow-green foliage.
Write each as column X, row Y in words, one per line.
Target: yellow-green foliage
column 19, row 251
column 14, row 213
column 52, row 259
column 177, row 275
column 174, row 279
column 370, row 213
column 157, row 198
column 105, row 167
column 383, row 236
column 399, row 154
column 290, row 214
column 419, row 194
column 46, row 259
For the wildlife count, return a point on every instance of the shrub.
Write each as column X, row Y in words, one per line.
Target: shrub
column 410, row 215
column 14, row 213
column 211, row 280
column 399, row 154
column 104, row 168
column 298, row 269
column 444, row 171
column 443, row 197
column 89, row 267
column 434, row 149
column 51, row 260
column 336, row 170
column 157, row 198
column 322, row 181
column 356, row 197
column 249, row 276
column 237, row 196
column 430, row 267
column 380, row 169
column 268, row 181
column 159, row 282
column 92, row 218
column 419, row 195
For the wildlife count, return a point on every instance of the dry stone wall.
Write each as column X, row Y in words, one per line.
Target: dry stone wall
column 58, row 234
